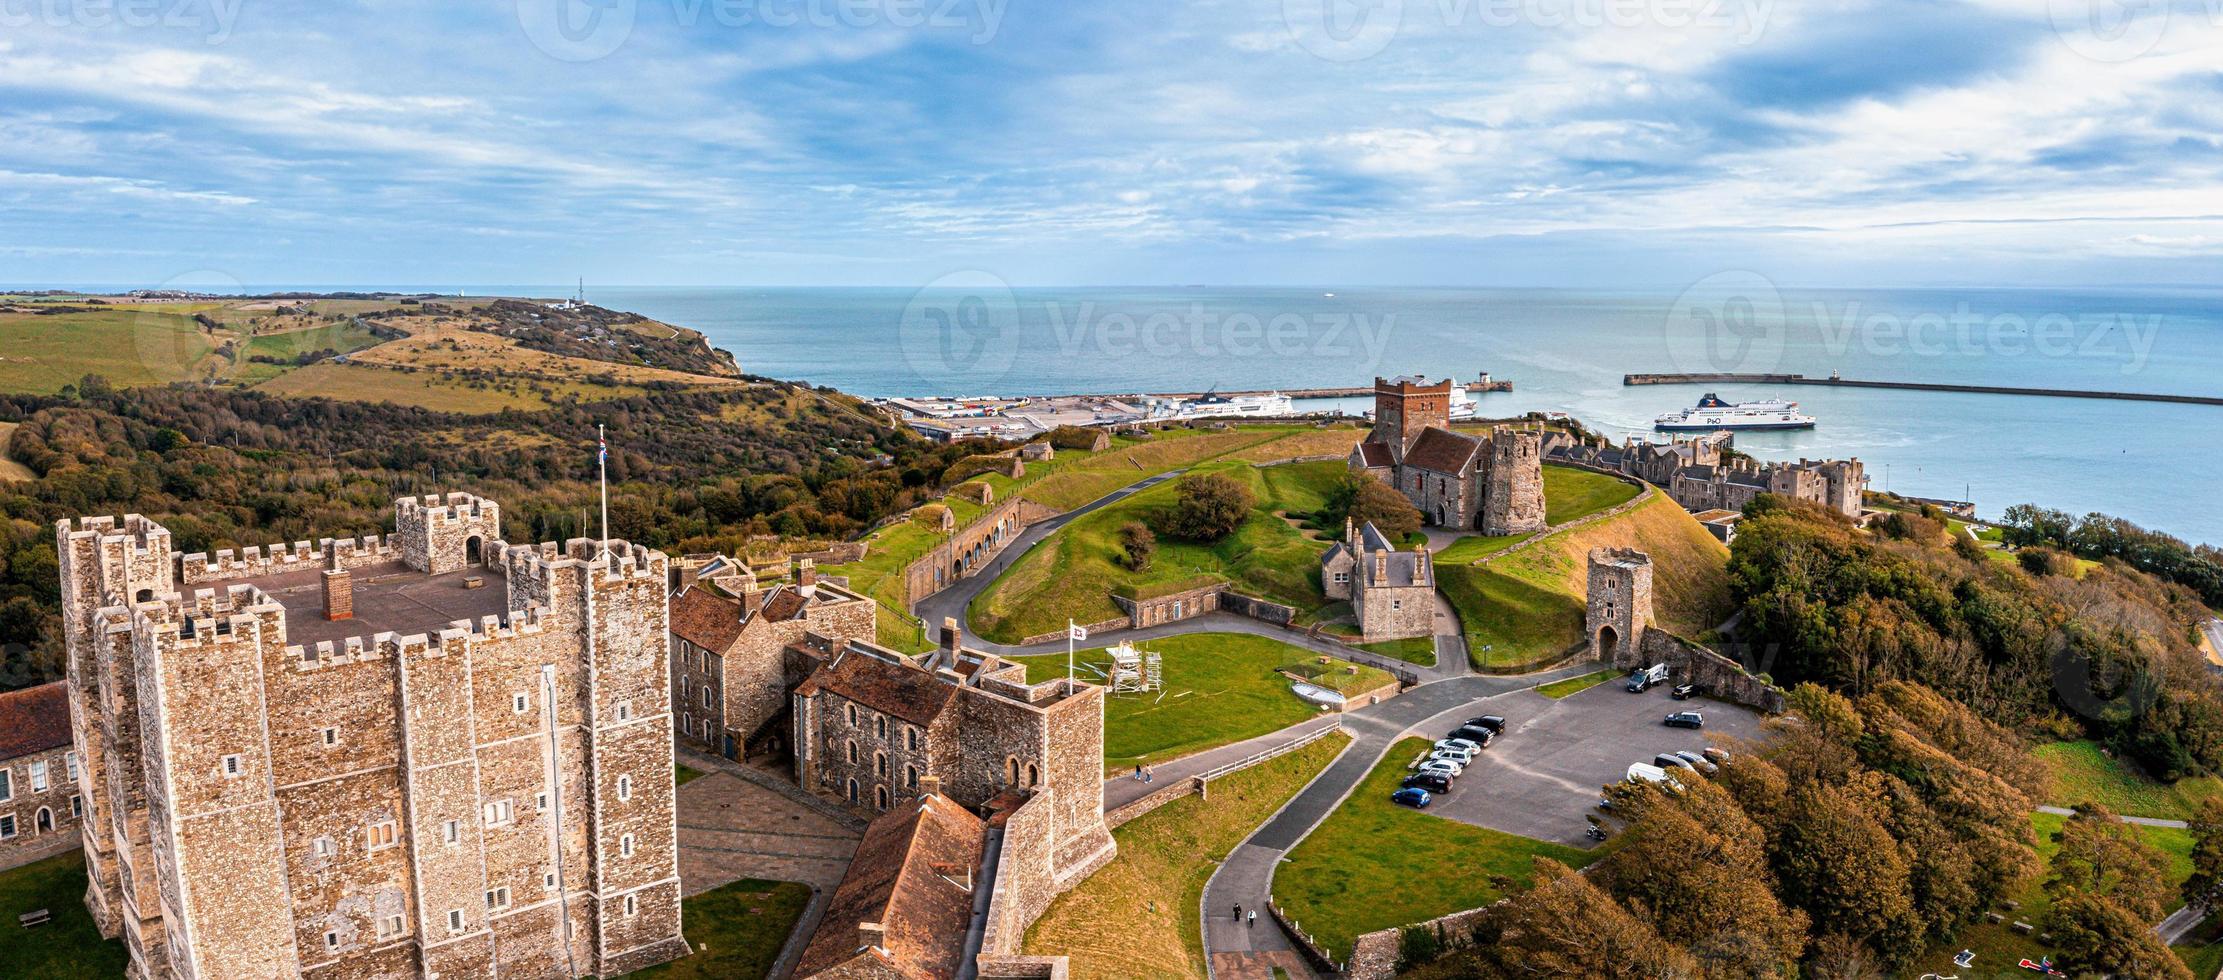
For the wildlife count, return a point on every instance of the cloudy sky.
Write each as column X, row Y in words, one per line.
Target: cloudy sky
column 1443, row 142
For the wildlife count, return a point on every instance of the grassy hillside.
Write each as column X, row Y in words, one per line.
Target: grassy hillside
column 1526, row 607
column 435, row 390
column 1073, row 575
column 42, row 353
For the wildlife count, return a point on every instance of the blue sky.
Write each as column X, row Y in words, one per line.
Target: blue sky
column 890, row 142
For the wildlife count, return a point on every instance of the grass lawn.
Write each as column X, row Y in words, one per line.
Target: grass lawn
column 736, row 930
column 69, row 946
column 1576, row 685
column 1997, row 947
column 428, row 389
column 134, row 347
column 1472, row 548
column 1072, row 576
column 1374, row 865
column 1126, row 919
column 683, row 774
column 1570, row 494
column 2082, row 774
column 1130, row 460
column 1510, row 624
column 1413, row 650
column 1219, row 688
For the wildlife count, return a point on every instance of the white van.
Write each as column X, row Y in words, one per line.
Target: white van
column 1644, row 773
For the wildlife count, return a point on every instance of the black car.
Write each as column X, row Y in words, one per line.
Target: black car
column 1479, row 736
column 1685, row 719
column 1495, row 723
column 1428, row 781
column 1683, row 692
column 1671, row 761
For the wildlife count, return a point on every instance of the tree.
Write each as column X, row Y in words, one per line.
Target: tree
column 1360, row 498
column 2096, row 937
column 1136, row 545
column 1841, row 865
column 1566, row 927
column 1208, row 507
column 2206, row 884
column 2101, row 855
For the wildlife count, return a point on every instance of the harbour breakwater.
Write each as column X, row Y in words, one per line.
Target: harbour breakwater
column 1800, row 379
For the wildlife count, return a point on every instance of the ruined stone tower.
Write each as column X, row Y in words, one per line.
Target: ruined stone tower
column 1620, row 604
column 1513, row 483
column 460, row 777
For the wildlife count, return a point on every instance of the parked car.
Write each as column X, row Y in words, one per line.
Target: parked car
column 1418, row 799
column 1669, row 760
column 1698, row 762
column 1479, row 736
column 1464, row 759
column 1460, row 744
column 1683, row 692
column 1428, row 781
column 1686, row 719
column 1641, row 773
column 1644, row 677
column 1717, row 755
column 1495, row 723
column 1438, row 767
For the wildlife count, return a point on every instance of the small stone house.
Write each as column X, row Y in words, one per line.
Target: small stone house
column 1392, row 592
column 733, row 658
column 39, row 804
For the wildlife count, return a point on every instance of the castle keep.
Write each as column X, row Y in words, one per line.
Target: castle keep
column 431, row 755
column 1493, row 484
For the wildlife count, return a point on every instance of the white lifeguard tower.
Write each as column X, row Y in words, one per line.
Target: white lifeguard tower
column 1133, row 671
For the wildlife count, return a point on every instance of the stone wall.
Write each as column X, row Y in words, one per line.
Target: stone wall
column 252, row 562
column 1258, row 609
column 438, row 534
column 1171, row 608
column 1717, row 675
column 43, row 806
column 1618, row 601
column 971, row 548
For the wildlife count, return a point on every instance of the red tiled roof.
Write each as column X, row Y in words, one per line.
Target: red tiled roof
column 910, row 693
column 705, row 619
column 1442, row 451
column 784, row 603
column 34, row 719
column 1373, row 454
column 897, row 880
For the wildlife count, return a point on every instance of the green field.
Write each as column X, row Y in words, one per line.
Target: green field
column 67, row 947
column 41, row 354
column 736, row 930
column 1997, row 947
column 1413, row 650
column 1472, row 548
column 1374, row 865
column 1576, row 685
column 2081, row 773
column 1510, row 623
column 1126, row 919
column 429, row 389
column 1072, row 576
column 1219, row 688
column 1572, row 494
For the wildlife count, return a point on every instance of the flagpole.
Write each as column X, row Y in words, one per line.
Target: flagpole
column 1068, row 656
column 602, row 465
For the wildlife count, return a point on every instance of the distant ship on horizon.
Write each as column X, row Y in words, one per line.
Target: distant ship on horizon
column 1712, row 414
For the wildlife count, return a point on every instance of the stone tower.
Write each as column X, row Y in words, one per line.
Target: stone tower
column 437, row 535
column 1513, row 483
column 1620, row 604
column 1405, row 406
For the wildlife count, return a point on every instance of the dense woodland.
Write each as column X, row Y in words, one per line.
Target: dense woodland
column 690, row 470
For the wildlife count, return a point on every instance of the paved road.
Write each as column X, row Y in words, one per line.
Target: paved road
column 1247, row 876
column 2214, row 629
column 2062, row 811
column 2179, row 923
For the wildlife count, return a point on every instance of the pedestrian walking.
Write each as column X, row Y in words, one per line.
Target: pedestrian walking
column 1138, row 771
column 1253, row 919
column 1238, row 911
column 1148, row 774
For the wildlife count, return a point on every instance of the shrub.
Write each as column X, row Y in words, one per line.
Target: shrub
column 1910, row 527
column 1136, row 545
column 1210, row 507
column 1362, row 499
column 1967, row 548
column 2046, row 561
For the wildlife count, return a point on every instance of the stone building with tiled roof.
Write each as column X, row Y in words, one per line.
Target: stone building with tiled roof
column 904, row 906
column 1392, row 593
column 40, row 805
column 1700, row 474
column 734, row 653
column 1492, row 483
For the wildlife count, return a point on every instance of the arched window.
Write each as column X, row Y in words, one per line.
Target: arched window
column 911, row 777
column 851, row 790
column 880, row 796
column 850, row 711
column 880, row 764
column 1034, row 775
column 1011, row 770
column 880, row 726
column 911, row 739
column 852, row 752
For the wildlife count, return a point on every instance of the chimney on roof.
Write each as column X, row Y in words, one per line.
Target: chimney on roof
column 806, row 574
column 1381, row 566
column 872, row 934
column 752, row 599
column 930, row 786
column 1421, row 570
column 339, row 587
column 1350, row 531
column 951, row 639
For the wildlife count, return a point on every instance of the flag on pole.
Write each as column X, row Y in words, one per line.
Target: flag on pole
column 1075, row 632
column 602, row 447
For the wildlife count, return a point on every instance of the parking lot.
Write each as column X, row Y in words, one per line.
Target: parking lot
column 1543, row 775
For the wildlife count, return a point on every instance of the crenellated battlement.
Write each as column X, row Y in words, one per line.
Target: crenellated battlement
column 207, row 617
column 277, row 559
column 453, row 508
column 624, row 560
column 382, row 645
column 441, row 534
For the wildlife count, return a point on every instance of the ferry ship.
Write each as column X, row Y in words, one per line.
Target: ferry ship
column 1272, row 404
column 1713, row 414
